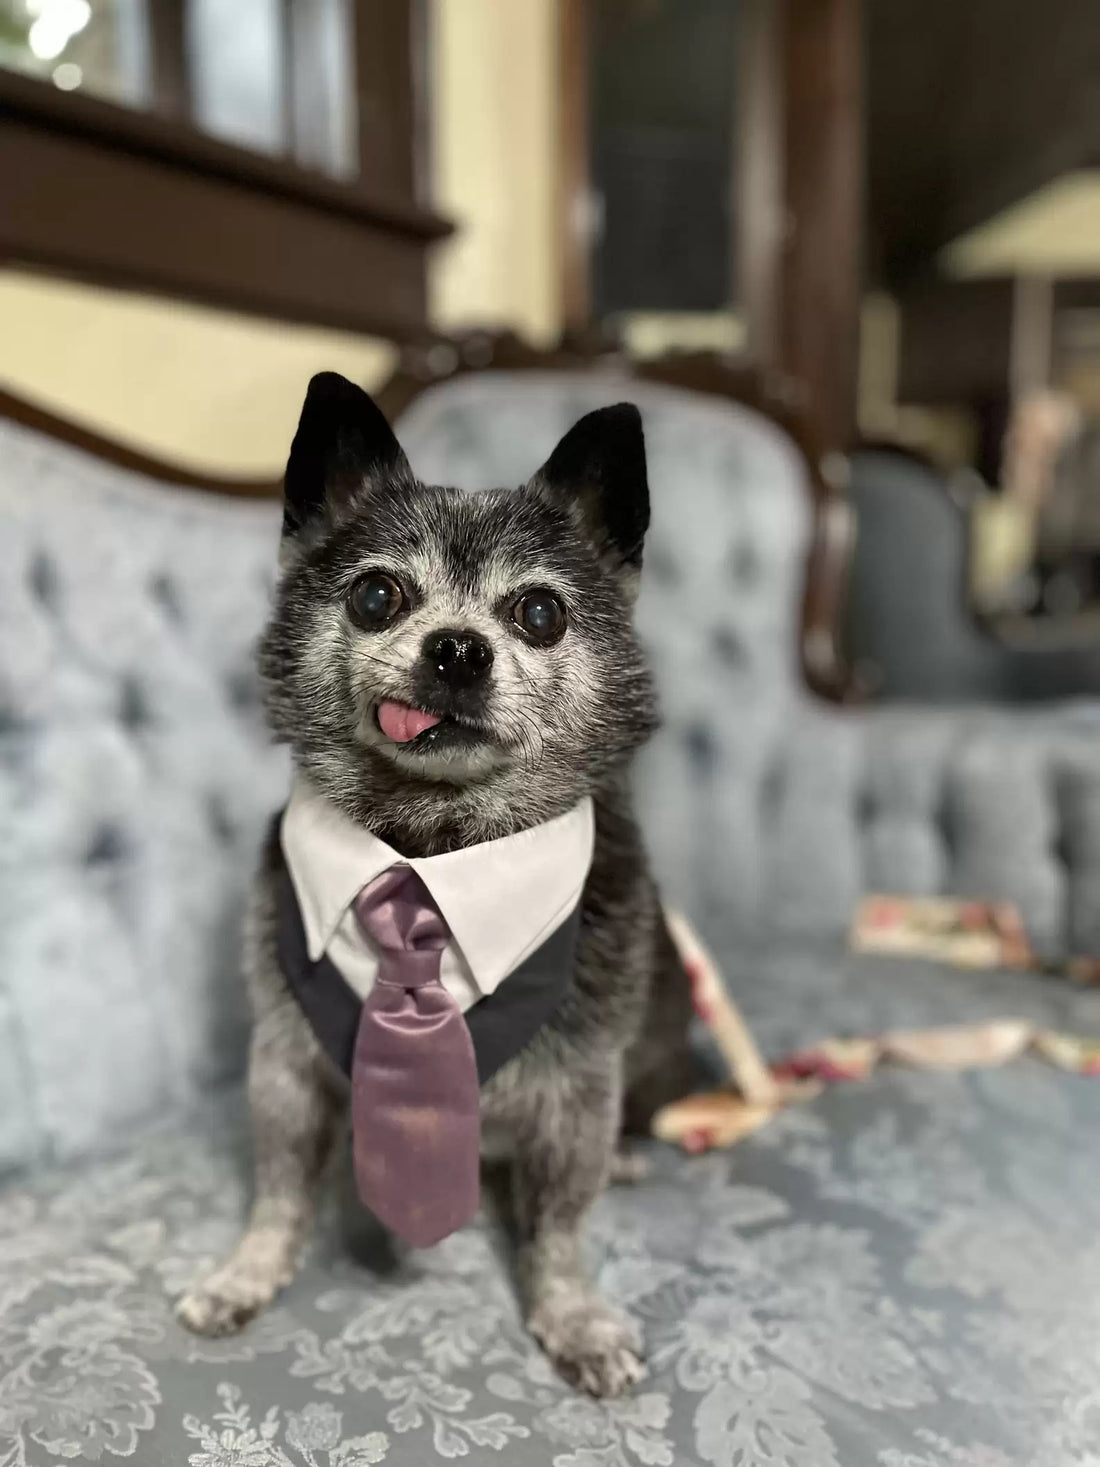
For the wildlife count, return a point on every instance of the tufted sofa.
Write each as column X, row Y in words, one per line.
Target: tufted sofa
column 905, row 1273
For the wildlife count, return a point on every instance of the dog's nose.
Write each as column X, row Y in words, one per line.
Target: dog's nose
column 458, row 659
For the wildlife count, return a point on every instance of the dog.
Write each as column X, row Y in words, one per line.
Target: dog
column 544, row 579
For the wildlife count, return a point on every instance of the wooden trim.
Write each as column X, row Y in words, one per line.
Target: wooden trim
column 574, row 242
column 77, row 207
column 42, row 420
column 758, row 182
column 384, row 69
column 430, row 362
column 144, row 136
column 170, row 92
column 822, row 258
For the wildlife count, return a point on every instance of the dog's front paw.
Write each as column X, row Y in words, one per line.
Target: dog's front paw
column 596, row 1348
column 223, row 1303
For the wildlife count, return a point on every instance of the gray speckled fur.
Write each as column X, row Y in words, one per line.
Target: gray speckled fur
column 568, row 720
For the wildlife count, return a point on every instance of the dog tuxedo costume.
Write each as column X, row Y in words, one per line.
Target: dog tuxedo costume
column 421, row 978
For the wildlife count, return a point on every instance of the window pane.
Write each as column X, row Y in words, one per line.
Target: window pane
column 324, row 86
column 98, row 46
column 273, row 76
column 662, row 102
column 237, row 71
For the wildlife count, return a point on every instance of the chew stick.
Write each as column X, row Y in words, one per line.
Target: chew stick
column 721, row 1015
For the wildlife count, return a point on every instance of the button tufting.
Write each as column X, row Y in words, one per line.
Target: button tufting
column 866, row 807
column 242, row 688
column 728, row 646
column 701, row 746
column 772, row 787
column 44, row 581
column 108, row 846
column 220, row 821
column 660, row 565
column 744, row 563
column 165, row 592
column 134, row 711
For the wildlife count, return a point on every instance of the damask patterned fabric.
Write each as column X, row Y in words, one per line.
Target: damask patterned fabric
column 904, row 1273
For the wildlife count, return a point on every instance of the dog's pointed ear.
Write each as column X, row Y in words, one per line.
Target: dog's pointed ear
column 343, row 441
column 600, row 466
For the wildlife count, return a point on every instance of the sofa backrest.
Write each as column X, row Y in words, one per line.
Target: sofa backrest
column 135, row 777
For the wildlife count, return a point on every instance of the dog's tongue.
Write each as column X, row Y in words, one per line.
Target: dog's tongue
column 401, row 723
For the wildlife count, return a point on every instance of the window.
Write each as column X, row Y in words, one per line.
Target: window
column 99, row 46
column 256, row 154
column 662, row 136
column 271, row 76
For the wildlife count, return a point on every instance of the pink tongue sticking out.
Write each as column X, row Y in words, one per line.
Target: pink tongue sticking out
column 401, row 723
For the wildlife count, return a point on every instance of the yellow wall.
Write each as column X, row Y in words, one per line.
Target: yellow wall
column 211, row 390
column 493, row 90
column 221, row 392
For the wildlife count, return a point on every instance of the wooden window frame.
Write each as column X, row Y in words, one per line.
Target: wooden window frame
column 144, row 200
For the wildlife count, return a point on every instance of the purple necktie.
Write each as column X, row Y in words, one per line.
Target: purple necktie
column 414, row 1088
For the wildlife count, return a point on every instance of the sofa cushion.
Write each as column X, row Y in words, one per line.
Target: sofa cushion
column 904, row 1272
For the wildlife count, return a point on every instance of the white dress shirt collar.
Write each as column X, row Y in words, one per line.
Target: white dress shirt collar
column 501, row 899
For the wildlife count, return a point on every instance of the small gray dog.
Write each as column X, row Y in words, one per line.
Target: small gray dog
column 540, row 702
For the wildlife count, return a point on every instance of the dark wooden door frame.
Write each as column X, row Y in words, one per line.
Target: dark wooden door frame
column 821, row 261
column 800, row 200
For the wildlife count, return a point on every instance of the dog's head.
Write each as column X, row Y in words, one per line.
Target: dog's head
column 451, row 666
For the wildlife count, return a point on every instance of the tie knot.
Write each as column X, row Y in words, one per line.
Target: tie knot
column 396, row 910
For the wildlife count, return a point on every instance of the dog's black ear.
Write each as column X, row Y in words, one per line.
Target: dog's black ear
column 342, row 441
column 600, row 464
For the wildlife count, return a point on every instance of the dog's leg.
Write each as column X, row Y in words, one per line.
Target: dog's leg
column 562, row 1164
column 296, row 1106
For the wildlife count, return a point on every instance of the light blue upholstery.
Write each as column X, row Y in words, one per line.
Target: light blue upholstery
column 765, row 808
column 903, row 1274
column 135, row 775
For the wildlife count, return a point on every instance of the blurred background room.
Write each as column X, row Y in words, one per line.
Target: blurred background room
column 845, row 257
column 888, row 216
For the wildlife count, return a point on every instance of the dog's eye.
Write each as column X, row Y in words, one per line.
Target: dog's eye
column 540, row 616
column 375, row 600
